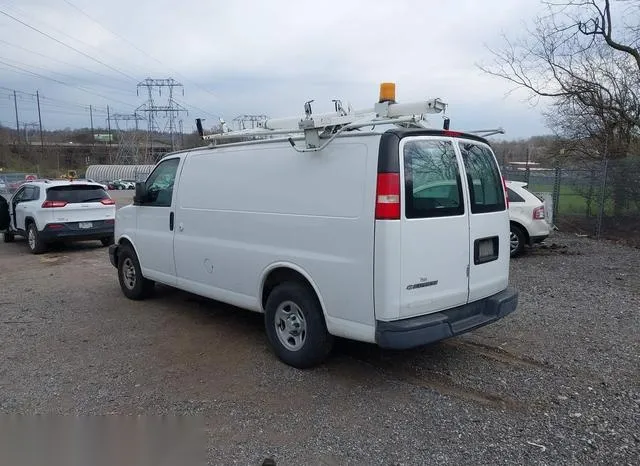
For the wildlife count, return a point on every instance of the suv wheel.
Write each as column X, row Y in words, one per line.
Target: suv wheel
column 36, row 245
column 133, row 284
column 295, row 326
column 517, row 240
column 8, row 237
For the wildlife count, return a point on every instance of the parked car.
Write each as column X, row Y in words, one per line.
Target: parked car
column 104, row 186
column 121, row 184
column 335, row 241
column 46, row 211
column 527, row 217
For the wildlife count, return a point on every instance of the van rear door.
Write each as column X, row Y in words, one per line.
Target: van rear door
column 435, row 227
column 488, row 221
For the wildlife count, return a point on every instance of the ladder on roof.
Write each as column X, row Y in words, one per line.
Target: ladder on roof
column 327, row 126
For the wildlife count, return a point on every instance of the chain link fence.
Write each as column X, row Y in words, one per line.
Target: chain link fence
column 601, row 200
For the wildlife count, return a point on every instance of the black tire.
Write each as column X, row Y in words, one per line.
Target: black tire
column 34, row 242
column 315, row 344
column 518, row 239
column 108, row 241
column 134, row 286
column 8, row 237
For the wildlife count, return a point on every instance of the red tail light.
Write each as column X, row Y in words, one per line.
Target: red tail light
column 506, row 191
column 388, row 196
column 53, row 204
column 108, row 201
column 453, row 134
column 538, row 213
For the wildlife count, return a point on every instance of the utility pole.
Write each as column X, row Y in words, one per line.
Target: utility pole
column 109, row 135
column 41, row 137
column 15, row 103
column 91, row 118
column 93, row 136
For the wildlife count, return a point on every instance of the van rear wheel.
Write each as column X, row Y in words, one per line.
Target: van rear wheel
column 295, row 326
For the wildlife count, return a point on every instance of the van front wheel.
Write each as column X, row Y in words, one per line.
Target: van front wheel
column 295, row 326
column 133, row 284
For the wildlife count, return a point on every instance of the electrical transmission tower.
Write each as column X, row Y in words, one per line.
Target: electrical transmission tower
column 129, row 139
column 156, row 109
column 30, row 129
column 249, row 121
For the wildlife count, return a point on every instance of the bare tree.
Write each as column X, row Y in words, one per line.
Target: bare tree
column 586, row 60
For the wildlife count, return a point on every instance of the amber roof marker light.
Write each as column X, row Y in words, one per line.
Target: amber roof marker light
column 388, row 92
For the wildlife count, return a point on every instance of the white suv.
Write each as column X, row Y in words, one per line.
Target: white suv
column 46, row 211
column 527, row 215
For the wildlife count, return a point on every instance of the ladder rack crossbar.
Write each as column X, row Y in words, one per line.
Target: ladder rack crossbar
column 293, row 131
column 388, row 112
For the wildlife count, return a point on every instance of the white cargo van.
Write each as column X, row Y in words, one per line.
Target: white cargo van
column 398, row 237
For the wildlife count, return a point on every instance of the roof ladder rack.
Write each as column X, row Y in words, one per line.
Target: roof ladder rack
column 319, row 130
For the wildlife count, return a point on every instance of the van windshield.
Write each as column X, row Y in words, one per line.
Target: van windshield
column 483, row 177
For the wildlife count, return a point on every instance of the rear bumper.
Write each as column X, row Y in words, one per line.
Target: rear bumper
column 422, row 330
column 71, row 231
column 538, row 239
column 538, row 231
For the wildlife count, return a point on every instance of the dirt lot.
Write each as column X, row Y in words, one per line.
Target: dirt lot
column 556, row 382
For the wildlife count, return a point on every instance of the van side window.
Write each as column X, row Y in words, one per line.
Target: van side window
column 160, row 183
column 485, row 185
column 432, row 180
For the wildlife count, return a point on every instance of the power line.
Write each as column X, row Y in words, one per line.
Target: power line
column 72, row 78
column 64, row 84
column 68, row 46
column 194, row 107
column 58, row 60
column 45, row 25
column 44, row 100
column 148, row 55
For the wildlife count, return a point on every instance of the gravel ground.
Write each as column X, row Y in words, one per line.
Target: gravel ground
column 556, row 382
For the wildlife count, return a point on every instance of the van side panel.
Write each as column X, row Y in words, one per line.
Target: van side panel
column 388, row 265
column 241, row 209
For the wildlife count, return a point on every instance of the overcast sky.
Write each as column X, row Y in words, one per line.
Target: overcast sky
column 258, row 57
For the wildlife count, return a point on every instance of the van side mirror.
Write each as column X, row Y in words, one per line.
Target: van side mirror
column 141, row 196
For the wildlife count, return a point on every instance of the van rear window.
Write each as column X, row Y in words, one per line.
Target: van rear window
column 485, row 185
column 432, row 180
column 76, row 193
